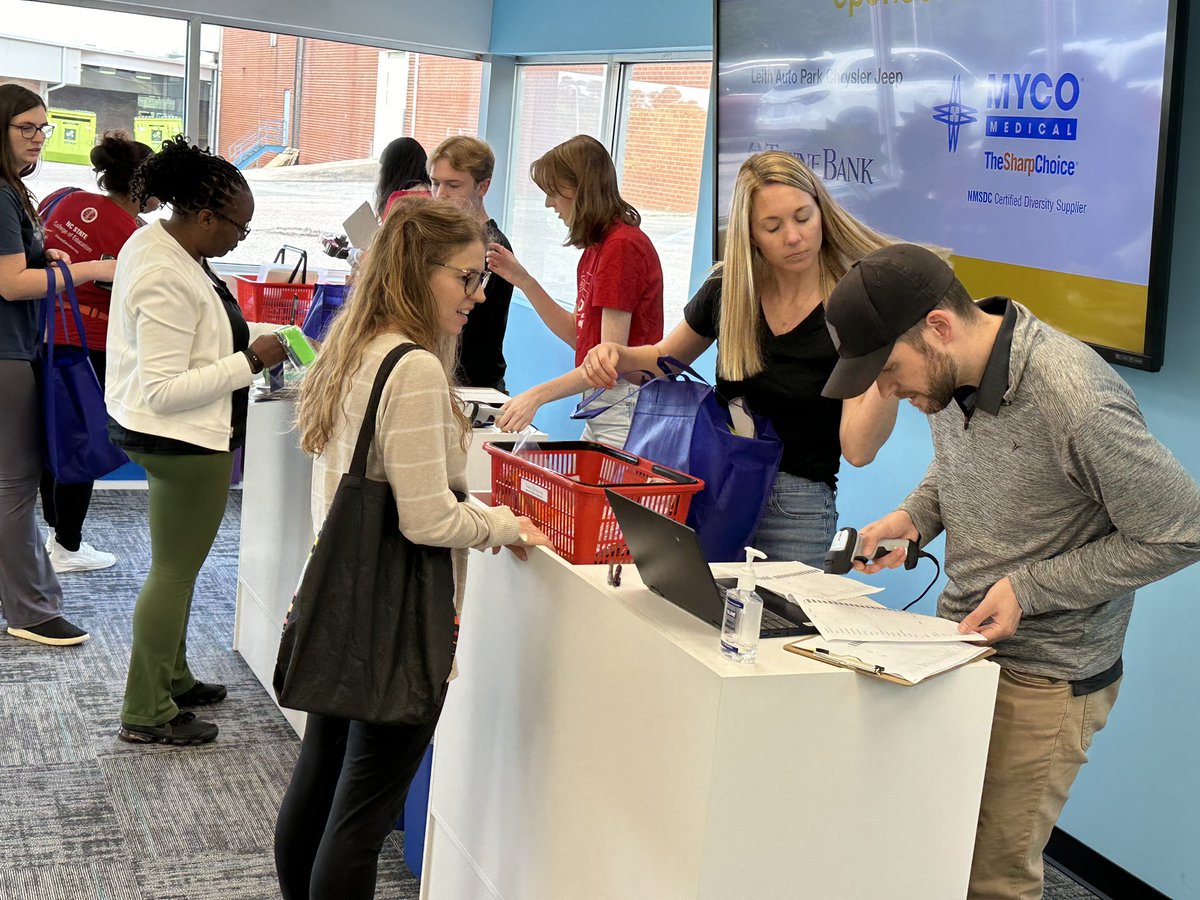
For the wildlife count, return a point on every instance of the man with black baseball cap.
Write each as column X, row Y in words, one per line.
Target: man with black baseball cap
column 1057, row 505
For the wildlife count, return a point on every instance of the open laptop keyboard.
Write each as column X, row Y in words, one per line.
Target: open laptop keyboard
column 773, row 621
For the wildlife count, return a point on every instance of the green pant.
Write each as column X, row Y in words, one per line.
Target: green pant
column 187, row 500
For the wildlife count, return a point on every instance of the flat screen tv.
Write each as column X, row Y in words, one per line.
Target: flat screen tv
column 1036, row 139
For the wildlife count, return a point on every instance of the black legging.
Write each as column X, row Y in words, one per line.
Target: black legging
column 65, row 506
column 346, row 792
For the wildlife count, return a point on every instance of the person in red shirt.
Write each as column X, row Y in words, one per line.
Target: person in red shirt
column 88, row 226
column 619, row 279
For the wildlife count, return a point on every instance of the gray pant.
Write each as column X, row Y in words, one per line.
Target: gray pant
column 29, row 589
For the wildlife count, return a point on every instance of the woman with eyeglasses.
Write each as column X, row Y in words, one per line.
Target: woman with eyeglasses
column 87, row 226
column 30, row 595
column 619, row 282
column 419, row 284
column 180, row 362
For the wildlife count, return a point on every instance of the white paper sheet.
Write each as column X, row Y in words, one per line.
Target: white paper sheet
column 861, row 619
column 490, row 396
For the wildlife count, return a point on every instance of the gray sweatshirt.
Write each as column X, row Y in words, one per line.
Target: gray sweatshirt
column 1055, row 482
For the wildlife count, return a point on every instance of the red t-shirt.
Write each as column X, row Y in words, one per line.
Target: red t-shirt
column 87, row 226
column 621, row 272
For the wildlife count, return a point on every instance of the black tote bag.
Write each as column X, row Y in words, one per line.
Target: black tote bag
column 370, row 633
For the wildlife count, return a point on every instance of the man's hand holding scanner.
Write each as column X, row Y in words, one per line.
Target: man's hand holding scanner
column 530, row 536
column 997, row 615
column 894, row 525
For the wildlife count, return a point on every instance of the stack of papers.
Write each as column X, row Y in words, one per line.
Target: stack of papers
column 858, row 633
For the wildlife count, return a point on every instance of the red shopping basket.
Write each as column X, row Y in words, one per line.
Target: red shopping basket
column 560, row 486
column 277, row 302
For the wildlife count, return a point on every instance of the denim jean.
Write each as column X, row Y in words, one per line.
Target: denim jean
column 799, row 521
column 611, row 427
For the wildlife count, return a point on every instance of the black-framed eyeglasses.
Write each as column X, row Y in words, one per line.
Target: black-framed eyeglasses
column 243, row 230
column 28, row 129
column 472, row 279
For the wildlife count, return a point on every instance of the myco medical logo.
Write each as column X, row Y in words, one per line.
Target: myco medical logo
column 1032, row 92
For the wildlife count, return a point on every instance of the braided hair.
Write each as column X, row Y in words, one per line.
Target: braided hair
column 188, row 178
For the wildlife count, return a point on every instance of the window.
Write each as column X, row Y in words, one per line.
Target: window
column 306, row 120
column 98, row 71
column 652, row 116
column 554, row 103
column 660, row 144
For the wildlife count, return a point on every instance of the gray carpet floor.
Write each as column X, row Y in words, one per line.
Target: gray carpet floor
column 84, row 815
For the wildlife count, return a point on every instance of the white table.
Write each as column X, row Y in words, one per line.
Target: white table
column 277, row 528
column 596, row 745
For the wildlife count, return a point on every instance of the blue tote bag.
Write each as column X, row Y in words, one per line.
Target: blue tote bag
column 680, row 422
column 75, row 421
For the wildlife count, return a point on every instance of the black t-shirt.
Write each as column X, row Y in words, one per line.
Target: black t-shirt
column 481, row 353
column 140, row 442
column 788, row 389
column 20, row 321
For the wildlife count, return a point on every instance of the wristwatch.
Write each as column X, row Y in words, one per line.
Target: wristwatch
column 256, row 364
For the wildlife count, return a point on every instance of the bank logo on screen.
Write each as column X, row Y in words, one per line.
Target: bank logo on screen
column 954, row 115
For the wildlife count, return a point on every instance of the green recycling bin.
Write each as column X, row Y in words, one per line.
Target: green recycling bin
column 152, row 131
column 74, row 136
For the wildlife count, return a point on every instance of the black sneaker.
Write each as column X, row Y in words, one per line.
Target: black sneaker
column 57, row 633
column 182, row 731
column 200, row 694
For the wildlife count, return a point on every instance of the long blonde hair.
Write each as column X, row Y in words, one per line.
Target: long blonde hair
column 392, row 293
column 743, row 270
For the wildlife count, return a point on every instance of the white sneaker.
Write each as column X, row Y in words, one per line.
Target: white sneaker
column 85, row 559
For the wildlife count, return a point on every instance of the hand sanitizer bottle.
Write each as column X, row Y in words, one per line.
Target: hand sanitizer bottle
column 743, row 614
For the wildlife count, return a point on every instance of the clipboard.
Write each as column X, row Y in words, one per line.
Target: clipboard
column 870, row 669
column 361, row 226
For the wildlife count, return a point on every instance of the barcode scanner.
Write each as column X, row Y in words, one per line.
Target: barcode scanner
column 847, row 549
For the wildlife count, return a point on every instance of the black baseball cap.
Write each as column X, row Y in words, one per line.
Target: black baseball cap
column 883, row 295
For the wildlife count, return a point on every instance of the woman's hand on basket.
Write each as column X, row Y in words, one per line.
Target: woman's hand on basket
column 531, row 536
column 600, row 365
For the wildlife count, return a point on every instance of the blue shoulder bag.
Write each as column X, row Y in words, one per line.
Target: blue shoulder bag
column 75, row 421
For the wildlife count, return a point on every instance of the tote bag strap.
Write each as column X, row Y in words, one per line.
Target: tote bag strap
column 52, row 307
column 366, row 432
column 672, row 369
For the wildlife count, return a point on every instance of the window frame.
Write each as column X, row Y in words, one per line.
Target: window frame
column 617, row 84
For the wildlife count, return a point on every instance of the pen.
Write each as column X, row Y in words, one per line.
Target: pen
column 849, row 662
column 614, row 574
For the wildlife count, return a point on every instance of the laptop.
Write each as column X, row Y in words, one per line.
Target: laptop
column 671, row 563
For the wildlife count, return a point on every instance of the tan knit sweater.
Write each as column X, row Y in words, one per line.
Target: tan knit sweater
column 417, row 449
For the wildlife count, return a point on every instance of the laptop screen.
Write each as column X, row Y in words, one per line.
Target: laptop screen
column 669, row 559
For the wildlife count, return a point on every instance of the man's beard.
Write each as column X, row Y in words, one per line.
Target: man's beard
column 943, row 381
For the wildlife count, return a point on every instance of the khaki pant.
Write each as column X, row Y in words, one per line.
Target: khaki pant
column 1040, row 737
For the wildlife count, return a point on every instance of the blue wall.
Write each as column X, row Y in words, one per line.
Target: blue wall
column 528, row 27
column 1135, row 802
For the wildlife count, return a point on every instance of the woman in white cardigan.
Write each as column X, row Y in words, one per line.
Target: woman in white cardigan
column 180, row 361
